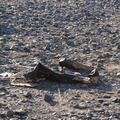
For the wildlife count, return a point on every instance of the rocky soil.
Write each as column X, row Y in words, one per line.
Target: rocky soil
column 46, row 31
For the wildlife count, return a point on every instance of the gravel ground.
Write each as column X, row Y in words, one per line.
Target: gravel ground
column 46, row 31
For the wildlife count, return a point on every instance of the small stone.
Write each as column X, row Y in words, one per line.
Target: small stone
column 91, row 92
column 101, row 101
column 106, row 103
column 118, row 46
column 26, row 49
column 77, row 95
column 110, row 93
column 2, row 104
column 118, row 74
column 106, row 96
column 75, row 98
column 101, row 60
column 99, row 110
column 20, row 112
column 116, row 100
column 80, row 106
column 48, row 97
column 24, row 116
column 33, row 118
column 2, row 93
column 107, row 55
column 10, row 113
column 28, row 94
column 2, row 89
column 81, row 117
column 2, row 114
column 98, row 105
column 87, row 117
column 118, row 91
column 116, row 115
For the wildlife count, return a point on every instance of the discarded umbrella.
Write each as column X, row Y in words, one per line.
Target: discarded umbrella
column 42, row 72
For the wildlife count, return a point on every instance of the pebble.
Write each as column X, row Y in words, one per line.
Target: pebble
column 91, row 92
column 118, row 91
column 106, row 103
column 116, row 115
column 24, row 117
column 2, row 104
column 116, row 100
column 87, row 117
column 118, row 46
column 80, row 106
column 20, row 112
column 33, row 118
column 99, row 110
column 2, row 89
column 48, row 97
column 28, row 94
column 10, row 113
column 101, row 100
column 2, row 93
column 118, row 74
column 102, row 60
column 106, row 96
column 3, row 114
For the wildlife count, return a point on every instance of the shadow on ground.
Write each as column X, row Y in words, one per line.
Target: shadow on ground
column 55, row 87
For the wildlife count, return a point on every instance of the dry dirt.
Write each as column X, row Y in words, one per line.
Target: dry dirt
column 33, row 31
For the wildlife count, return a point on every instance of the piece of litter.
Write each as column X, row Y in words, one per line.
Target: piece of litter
column 24, row 84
